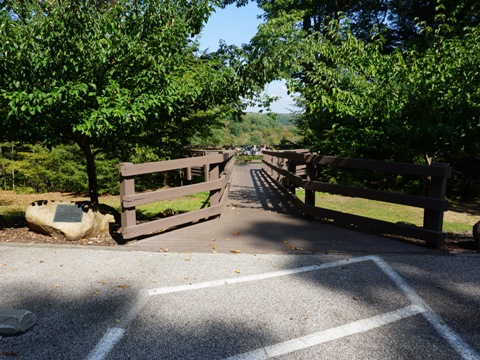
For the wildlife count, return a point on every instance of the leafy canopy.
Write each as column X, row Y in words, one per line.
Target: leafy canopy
column 407, row 91
column 110, row 75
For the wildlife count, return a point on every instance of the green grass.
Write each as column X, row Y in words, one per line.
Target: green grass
column 163, row 208
column 457, row 227
column 453, row 222
column 175, row 206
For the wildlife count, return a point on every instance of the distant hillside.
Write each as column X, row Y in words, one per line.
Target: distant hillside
column 255, row 129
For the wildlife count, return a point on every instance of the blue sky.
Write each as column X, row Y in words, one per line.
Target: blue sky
column 237, row 26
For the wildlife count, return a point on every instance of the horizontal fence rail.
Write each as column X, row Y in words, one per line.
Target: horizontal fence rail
column 300, row 169
column 215, row 166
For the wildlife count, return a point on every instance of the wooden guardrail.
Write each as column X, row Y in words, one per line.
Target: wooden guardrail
column 301, row 167
column 215, row 166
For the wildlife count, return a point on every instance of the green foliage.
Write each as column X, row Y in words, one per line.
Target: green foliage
column 37, row 169
column 391, row 80
column 404, row 105
column 109, row 76
column 245, row 159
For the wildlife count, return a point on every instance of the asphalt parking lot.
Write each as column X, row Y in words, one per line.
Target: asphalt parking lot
column 117, row 304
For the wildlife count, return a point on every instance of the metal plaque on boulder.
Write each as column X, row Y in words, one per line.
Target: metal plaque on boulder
column 68, row 213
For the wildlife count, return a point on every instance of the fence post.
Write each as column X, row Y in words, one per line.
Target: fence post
column 214, row 174
column 311, row 172
column 292, row 168
column 270, row 170
column 433, row 219
column 127, row 187
column 206, row 169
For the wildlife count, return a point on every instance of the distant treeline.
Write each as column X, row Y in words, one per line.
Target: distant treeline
column 254, row 129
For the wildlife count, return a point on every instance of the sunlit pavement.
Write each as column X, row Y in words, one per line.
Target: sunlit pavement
column 108, row 304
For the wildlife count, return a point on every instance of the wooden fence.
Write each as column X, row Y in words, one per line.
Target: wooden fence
column 216, row 168
column 301, row 168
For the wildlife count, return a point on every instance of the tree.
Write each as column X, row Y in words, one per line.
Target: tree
column 396, row 20
column 110, row 75
column 394, row 80
column 399, row 93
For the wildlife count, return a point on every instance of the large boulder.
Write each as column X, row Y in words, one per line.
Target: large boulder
column 70, row 220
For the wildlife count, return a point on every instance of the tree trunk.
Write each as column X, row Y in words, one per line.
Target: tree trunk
column 91, row 167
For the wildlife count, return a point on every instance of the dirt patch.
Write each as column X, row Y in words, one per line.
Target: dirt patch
column 21, row 201
column 460, row 243
column 26, row 236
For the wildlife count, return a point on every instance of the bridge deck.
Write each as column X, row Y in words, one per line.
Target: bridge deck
column 256, row 221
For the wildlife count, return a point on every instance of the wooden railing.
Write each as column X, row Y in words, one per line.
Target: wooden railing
column 301, row 168
column 215, row 166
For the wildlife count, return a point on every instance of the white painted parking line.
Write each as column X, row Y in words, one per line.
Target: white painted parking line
column 329, row 335
column 418, row 306
column 106, row 344
column 258, row 277
column 455, row 341
column 114, row 335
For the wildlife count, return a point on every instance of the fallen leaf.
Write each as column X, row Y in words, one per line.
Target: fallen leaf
column 355, row 298
column 236, row 233
column 117, row 321
column 237, row 271
column 164, row 250
column 235, row 251
column 96, row 292
column 123, row 286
